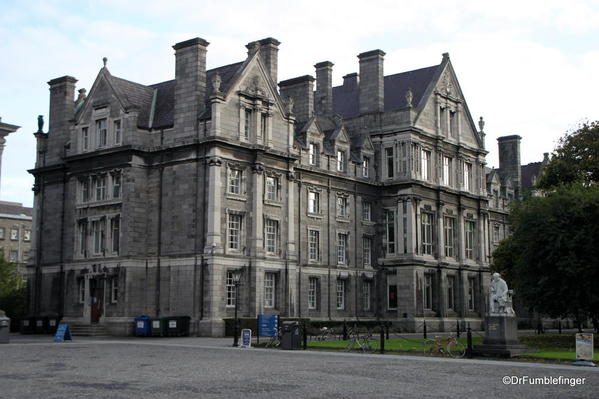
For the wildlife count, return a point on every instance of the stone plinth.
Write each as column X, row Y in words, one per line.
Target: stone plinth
column 501, row 338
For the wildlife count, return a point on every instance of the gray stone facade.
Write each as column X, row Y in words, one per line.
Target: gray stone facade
column 368, row 200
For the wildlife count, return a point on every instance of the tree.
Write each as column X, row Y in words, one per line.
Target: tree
column 552, row 257
column 575, row 160
column 13, row 299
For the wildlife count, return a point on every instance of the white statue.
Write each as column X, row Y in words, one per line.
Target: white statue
column 500, row 298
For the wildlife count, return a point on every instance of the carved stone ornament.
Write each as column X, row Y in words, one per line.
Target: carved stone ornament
column 258, row 167
column 289, row 105
column 40, row 123
column 409, row 97
column 481, row 124
column 216, row 82
column 214, row 161
column 291, row 175
column 500, row 297
column 447, row 85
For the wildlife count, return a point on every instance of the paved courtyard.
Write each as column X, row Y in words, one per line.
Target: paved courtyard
column 209, row 368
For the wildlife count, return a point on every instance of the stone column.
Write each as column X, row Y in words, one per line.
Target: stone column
column 440, row 236
column 213, row 235
column 216, row 101
column 257, row 239
column 400, row 226
column 410, row 226
column 481, row 237
column 291, row 207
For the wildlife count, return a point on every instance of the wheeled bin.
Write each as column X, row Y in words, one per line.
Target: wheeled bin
column 158, row 327
column 142, row 326
column 177, row 326
column 292, row 335
column 27, row 325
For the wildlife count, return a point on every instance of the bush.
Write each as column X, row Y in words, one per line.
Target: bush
column 553, row 341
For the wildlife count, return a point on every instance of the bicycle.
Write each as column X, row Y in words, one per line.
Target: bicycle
column 274, row 341
column 441, row 346
column 325, row 334
column 365, row 343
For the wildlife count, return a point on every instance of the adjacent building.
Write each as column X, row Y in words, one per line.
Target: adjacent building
column 367, row 200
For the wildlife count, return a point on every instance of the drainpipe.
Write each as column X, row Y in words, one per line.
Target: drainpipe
column 159, row 232
column 61, row 274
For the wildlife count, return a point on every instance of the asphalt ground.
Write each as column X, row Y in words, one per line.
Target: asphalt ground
column 35, row 367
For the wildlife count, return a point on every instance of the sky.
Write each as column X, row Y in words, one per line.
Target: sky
column 528, row 67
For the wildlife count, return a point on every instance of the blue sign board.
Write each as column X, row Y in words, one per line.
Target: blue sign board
column 268, row 325
column 63, row 332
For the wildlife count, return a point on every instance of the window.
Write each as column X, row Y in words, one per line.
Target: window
column 117, row 132
column 426, row 164
column 390, row 161
column 446, row 171
column 85, row 139
column 428, row 291
column 230, row 289
column 390, row 231
column 313, row 245
column 471, row 293
column 340, row 294
column 496, row 198
column 272, row 188
column 496, row 233
column 312, row 292
column 114, row 290
column 453, row 125
column 115, row 228
column 313, row 154
column 13, row 256
column 342, row 248
column 366, row 249
column 100, row 185
column 1, row 233
column 449, row 239
column 27, row 235
column 469, row 245
column 391, row 296
column 272, row 236
column 451, row 292
column 116, row 185
column 427, row 233
column 234, row 186
column 365, row 166
column 404, row 158
column 98, row 234
column 343, row 207
column 313, row 202
column 443, row 120
column 340, row 161
column 467, row 176
column 14, row 234
column 269, row 290
column 85, row 190
column 81, row 287
column 234, row 231
column 366, row 295
column 366, row 211
column 248, row 124
column 82, row 237
column 101, row 133
column 264, row 124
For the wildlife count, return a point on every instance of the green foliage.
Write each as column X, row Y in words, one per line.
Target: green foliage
column 553, row 341
column 552, row 257
column 575, row 160
column 13, row 298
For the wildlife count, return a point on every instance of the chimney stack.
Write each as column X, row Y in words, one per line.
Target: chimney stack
column 372, row 86
column 269, row 50
column 509, row 159
column 62, row 112
column 350, row 82
column 301, row 90
column 324, row 88
column 190, row 88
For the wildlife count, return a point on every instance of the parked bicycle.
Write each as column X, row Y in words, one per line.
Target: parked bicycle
column 325, row 333
column 364, row 343
column 440, row 345
column 274, row 341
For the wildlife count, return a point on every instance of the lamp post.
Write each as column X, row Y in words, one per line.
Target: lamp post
column 236, row 283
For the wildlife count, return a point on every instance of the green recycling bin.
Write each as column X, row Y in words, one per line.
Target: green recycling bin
column 158, row 327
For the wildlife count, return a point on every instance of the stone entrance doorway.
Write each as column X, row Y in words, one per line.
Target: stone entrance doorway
column 96, row 292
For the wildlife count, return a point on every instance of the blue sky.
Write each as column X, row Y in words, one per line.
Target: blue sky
column 528, row 67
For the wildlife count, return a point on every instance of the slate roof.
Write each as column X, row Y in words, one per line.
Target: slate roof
column 527, row 173
column 345, row 98
column 15, row 208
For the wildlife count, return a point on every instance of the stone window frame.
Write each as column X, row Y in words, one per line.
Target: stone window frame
column 427, row 231
column 342, row 211
column 269, row 174
column 367, row 238
column 426, row 164
column 387, row 244
column 451, row 292
column 27, row 235
column 318, row 243
column 449, row 215
column 366, row 211
column 84, row 134
column 315, row 155
column 112, row 218
column 366, row 295
column 2, row 233
column 340, row 294
column 273, row 289
column 469, row 250
column 14, row 234
column 277, row 244
column 428, row 290
column 341, row 160
column 318, row 191
column 242, row 169
column 101, row 220
column 241, row 233
column 345, row 261
column 447, row 177
column 471, row 293
column 114, row 289
column 81, row 290
column 117, row 139
column 230, row 294
column 389, row 160
column 365, row 167
column 392, row 282
column 467, row 175
column 313, row 293
column 83, row 237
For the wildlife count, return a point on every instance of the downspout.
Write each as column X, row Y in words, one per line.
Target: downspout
column 329, row 241
column 203, row 262
column 356, row 248
column 298, row 247
column 38, row 253
column 159, row 232
column 61, row 274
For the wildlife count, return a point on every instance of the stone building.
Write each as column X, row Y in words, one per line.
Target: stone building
column 15, row 232
column 367, row 200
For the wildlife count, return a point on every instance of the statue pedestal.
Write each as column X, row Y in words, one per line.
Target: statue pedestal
column 501, row 337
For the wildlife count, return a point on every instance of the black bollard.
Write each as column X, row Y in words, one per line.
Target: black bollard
column 559, row 326
column 382, row 348
column 305, row 337
column 344, row 331
column 387, row 329
column 424, row 329
column 469, row 342
column 458, row 328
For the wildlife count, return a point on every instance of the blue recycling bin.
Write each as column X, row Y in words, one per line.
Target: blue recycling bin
column 143, row 327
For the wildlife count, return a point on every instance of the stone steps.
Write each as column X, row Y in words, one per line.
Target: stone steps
column 89, row 330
